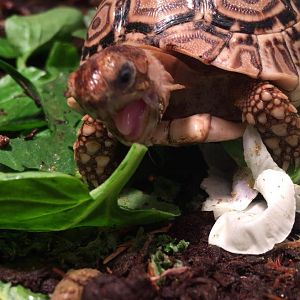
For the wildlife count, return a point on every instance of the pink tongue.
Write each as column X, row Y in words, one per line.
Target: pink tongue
column 129, row 119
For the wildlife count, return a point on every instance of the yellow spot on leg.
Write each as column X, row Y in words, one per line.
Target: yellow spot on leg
column 278, row 112
column 250, row 119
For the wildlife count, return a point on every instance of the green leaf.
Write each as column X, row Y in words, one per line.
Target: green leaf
column 42, row 201
column 28, row 33
column 111, row 188
column 9, row 292
column 18, row 111
column 52, row 151
column 132, row 199
column 295, row 175
column 161, row 248
column 235, row 149
column 165, row 189
column 6, row 49
column 80, row 33
column 27, row 86
column 63, row 57
column 87, row 19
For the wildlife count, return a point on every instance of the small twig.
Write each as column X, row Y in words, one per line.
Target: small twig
column 120, row 249
column 172, row 271
column 58, row 272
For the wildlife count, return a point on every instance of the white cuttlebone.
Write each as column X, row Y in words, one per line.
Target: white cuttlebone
column 225, row 196
column 262, row 224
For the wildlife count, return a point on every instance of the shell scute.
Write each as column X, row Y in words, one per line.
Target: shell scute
column 241, row 54
column 259, row 38
column 277, row 63
column 154, row 12
column 101, row 23
column 200, row 40
column 252, row 16
column 292, row 38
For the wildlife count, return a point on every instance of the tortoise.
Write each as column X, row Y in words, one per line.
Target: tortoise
column 179, row 72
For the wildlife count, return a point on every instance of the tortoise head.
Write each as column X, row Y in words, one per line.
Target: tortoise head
column 123, row 86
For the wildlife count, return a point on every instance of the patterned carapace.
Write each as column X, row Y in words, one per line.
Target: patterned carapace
column 259, row 38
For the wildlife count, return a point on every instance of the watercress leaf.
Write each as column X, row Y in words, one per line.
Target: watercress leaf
column 28, row 33
column 51, row 151
column 6, row 49
column 45, row 153
column 63, row 56
column 18, row 292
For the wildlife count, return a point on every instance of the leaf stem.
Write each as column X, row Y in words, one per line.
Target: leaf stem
column 107, row 193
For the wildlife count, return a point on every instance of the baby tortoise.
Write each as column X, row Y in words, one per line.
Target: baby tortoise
column 190, row 71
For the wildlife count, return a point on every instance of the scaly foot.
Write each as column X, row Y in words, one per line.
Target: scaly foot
column 95, row 152
column 271, row 111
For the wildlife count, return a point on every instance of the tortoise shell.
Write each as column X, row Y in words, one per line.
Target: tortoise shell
column 259, row 38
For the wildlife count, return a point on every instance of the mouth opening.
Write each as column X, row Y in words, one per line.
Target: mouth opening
column 130, row 119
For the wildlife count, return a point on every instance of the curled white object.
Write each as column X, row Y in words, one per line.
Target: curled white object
column 225, row 196
column 259, row 224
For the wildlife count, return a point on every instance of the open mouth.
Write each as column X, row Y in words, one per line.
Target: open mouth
column 130, row 119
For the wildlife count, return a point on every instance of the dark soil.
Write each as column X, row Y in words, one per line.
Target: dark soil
column 208, row 272
column 41, row 280
column 211, row 272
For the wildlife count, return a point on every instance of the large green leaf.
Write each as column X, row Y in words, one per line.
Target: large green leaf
column 43, row 201
column 7, row 50
column 62, row 57
column 29, row 33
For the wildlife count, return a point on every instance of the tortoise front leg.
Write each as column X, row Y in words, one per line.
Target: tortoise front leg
column 271, row 111
column 95, row 152
column 197, row 128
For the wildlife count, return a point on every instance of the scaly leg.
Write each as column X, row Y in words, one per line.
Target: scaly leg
column 271, row 111
column 95, row 152
column 198, row 128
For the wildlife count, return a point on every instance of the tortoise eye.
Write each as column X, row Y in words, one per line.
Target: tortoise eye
column 126, row 76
